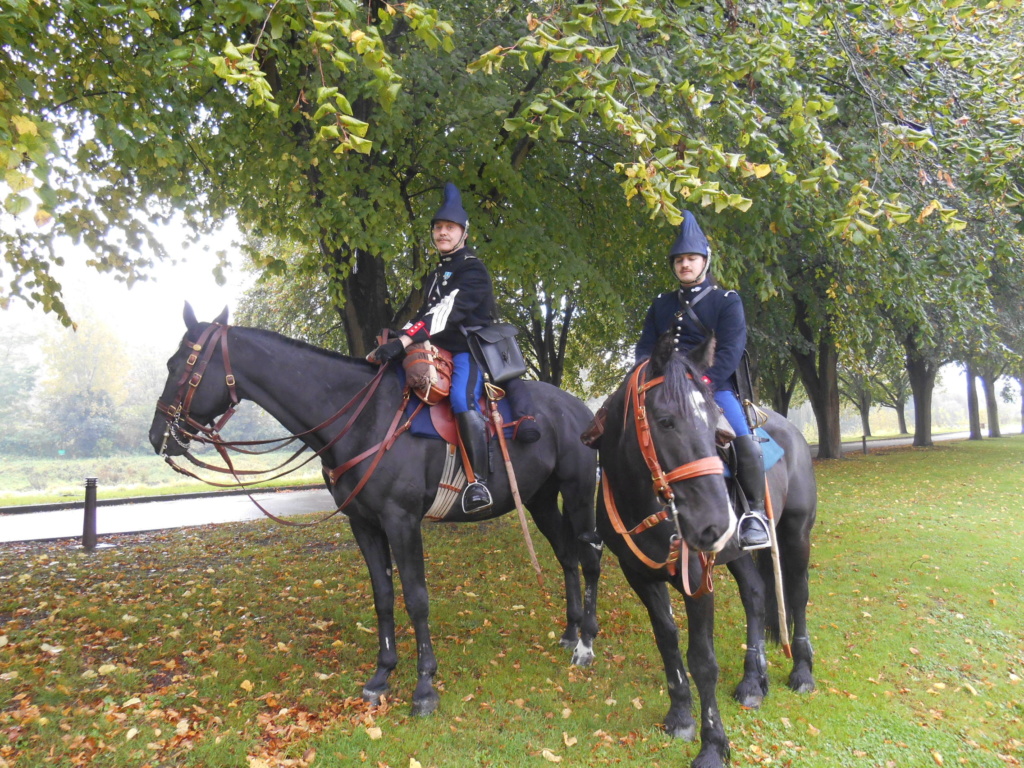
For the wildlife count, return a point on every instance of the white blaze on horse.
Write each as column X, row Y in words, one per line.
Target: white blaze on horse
column 351, row 414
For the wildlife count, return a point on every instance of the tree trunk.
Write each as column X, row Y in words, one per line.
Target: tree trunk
column 973, row 415
column 865, row 423
column 988, row 385
column 819, row 373
column 922, row 372
column 901, row 416
column 367, row 307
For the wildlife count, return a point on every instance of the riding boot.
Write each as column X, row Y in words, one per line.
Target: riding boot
column 753, row 524
column 521, row 402
column 473, row 433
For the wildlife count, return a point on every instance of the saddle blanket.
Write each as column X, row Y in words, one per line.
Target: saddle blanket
column 438, row 422
column 771, row 451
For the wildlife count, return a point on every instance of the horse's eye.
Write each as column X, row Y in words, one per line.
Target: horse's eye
column 666, row 423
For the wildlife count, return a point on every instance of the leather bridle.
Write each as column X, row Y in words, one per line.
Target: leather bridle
column 637, row 388
column 201, row 352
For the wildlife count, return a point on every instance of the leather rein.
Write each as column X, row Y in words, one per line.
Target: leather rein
column 636, row 402
column 177, row 413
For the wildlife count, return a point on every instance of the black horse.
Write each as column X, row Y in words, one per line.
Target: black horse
column 302, row 386
column 664, row 406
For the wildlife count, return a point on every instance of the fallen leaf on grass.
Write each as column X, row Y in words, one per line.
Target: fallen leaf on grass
column 550, row 756
column 569, row 741
column 937, row 757
column 374, row 732
column 812, row 730
column 414, row 763
column 132, row 733
column 246, row 685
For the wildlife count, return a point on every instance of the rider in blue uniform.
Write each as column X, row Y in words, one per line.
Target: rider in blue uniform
column 459, row 296
column 692, row 312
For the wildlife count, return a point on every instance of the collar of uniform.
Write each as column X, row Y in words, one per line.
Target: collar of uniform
column 693, row 290
column 456, row 256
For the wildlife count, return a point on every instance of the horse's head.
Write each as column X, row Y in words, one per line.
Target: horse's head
column 198, row 389
column 682, row 417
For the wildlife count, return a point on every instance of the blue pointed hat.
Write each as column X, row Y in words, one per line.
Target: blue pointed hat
column 691, row 238
column 451, row 209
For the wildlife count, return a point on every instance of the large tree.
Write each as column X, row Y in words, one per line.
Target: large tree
column 802, row 130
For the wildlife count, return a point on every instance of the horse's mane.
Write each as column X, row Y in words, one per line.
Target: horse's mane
column 303, row 345
column 681, row 377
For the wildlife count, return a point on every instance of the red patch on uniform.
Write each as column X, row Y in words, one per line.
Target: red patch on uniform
column 413, row 330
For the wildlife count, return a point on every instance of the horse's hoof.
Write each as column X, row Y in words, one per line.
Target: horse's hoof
column 569, row 638
column 681, row 731
column 801, row 685
column 425, row 705
column 583, row 655
column 709, row 758
column 374, row 696
column 748, row 700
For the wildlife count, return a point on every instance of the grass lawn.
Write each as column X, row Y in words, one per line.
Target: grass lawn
column 247, row 644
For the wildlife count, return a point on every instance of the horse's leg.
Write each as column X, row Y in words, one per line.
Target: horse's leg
column 406, row 539
column 561, row 533
column 700, row 655
column 754, row 686
column 679, row 722
column 797, row 554
column 373, row 543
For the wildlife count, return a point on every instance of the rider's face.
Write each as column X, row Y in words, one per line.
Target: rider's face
column 688, row 267
column 447, row 235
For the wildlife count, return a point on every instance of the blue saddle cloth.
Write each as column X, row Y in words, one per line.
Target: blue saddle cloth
column 423, row 426
column 771, row 451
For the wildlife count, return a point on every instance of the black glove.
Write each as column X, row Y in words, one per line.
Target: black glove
column 385, row 353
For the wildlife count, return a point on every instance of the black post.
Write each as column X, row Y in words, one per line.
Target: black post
column 89, row 526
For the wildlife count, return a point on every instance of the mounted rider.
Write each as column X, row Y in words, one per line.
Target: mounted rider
column 695, row 310
column 460, row 296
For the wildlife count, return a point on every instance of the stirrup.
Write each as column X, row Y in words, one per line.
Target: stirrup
column 481, row 508
column 762, row 528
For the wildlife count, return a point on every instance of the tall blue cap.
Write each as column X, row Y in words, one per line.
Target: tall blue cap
column 451, row 209
column 691, row 238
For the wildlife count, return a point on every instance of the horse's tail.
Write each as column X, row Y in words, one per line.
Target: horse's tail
column 772, row 631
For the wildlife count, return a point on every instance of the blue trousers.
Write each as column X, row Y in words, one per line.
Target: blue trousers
column 730, row 405
column 467, row 383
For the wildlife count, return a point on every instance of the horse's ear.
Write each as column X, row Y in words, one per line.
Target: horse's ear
column 703, row 355
column 663, row 352
column 190, row 317
column 222, row 318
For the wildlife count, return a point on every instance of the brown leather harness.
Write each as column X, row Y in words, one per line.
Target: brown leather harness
column 178, row 412
column 636, row 402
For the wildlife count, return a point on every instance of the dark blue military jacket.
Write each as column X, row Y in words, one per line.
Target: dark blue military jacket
column 459, row 294
column 720, row 311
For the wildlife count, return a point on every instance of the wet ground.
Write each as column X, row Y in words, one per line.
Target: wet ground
column 150, row 515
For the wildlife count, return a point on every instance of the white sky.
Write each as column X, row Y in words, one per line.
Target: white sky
column 149, row 313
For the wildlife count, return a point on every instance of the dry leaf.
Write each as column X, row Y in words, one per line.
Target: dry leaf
column 550, row 756
column 812, row 730
column 132, row 733
column 414, row 763
column 937, row 757
column 374, row 732
column 637, row 703
column 106, row 669
column 245, row 685
column 569, row 741
column 566, row 713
